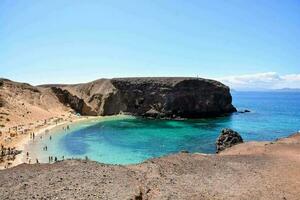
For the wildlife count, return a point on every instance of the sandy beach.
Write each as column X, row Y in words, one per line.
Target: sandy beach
column 22, row 137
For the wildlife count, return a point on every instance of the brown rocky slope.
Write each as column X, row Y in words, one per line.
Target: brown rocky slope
column 255, row 170
column 21, row 103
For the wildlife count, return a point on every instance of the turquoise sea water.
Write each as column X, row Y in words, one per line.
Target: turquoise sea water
column 125, row 139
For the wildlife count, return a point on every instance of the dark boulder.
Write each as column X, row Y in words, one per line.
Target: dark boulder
column 184, row 151
column 228, row 138
column 244, row 111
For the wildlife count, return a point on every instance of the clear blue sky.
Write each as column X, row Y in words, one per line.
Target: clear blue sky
column 77, row 41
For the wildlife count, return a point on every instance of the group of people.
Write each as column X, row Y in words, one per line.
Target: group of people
column 55, row 159
column 51, row 159
column 32, row 135
column 45, row 148
column 8, row 153
column 66, row 128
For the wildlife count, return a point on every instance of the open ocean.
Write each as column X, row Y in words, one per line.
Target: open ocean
column 127, row 140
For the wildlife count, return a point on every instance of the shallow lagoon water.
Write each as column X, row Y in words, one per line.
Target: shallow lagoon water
column 127, row 140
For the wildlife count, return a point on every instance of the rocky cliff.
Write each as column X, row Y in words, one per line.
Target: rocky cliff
column 154, row 97
column 150, row 97
column 74, row 102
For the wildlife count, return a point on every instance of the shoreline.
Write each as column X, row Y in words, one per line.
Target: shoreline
column 20, row 158
column 21, row 142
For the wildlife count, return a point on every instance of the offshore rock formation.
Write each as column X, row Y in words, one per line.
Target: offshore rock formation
column 228, row 138
column 151, row 97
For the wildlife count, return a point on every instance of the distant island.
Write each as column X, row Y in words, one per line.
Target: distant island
column 267, row 90
column 288, row 90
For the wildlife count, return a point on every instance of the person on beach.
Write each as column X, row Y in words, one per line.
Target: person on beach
column 33, row 135
column 27, row 154
column 55, row 159
column 50, row 137
column 49, row 159
column 37, row 161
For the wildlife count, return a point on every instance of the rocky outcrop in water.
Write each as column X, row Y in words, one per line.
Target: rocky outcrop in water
column 227, row 138
column 243, row 111
column 153, row 97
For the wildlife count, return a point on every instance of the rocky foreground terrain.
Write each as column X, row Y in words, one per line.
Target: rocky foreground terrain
column 255, row 170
